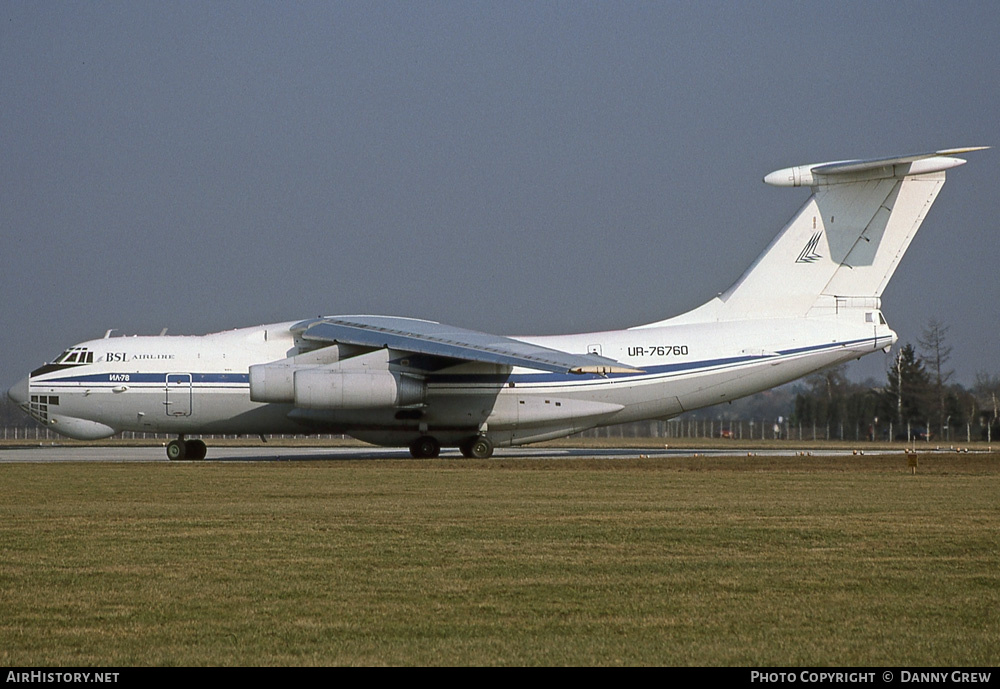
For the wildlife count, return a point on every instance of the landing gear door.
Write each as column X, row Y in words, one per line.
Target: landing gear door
column 178, row 394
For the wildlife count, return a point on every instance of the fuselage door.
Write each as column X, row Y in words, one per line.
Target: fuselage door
column 178, row 394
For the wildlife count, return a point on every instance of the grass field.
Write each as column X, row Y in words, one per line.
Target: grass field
column 669, row 561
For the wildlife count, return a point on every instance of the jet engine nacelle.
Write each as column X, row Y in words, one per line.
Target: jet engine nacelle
column 322, row 388
column 272, row 383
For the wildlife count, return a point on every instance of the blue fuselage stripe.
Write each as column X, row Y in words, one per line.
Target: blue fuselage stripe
column 196, row 378
column 243, row 379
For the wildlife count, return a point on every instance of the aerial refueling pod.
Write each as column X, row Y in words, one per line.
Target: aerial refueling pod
column 325, row 388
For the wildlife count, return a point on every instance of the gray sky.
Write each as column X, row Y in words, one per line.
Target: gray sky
column 515, row 167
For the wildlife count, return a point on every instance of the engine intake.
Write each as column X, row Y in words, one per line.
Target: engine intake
column 272, row 383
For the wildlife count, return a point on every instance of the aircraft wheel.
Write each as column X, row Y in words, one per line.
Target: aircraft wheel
column 195, row 449
column 479, row 447
column 176, row 450
column 425, row 447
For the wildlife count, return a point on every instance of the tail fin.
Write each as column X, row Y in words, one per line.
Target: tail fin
column 843, row 245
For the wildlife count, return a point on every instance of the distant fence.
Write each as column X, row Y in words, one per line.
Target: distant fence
column 762, row 429
column 737, row 429
column 42, row 434
column 674, row 428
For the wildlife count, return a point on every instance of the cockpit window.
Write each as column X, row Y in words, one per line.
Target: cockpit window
column 74, row 356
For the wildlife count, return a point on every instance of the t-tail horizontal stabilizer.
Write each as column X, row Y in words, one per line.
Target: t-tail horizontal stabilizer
column 843, row 245
column 837, row 172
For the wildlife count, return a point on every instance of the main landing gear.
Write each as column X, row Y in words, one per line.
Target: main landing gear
column 425, row 447
column 479, row 447
column 428, row 447
column 186, row 449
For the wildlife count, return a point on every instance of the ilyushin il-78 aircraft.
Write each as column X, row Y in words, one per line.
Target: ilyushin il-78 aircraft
column 811, row 300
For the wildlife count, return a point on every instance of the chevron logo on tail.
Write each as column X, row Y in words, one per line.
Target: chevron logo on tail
column 808, row 253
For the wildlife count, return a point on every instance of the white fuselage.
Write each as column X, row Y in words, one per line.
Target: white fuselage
column 200, row 384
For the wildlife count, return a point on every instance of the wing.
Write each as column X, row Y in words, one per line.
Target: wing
column 439, row 340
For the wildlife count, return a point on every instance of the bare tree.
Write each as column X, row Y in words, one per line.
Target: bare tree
column 907, row 391
column 987, row 391
column 936, row 354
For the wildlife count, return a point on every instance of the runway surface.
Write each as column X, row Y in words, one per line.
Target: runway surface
column 50, row 453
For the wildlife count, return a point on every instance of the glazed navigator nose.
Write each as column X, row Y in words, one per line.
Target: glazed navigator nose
column 18, row 392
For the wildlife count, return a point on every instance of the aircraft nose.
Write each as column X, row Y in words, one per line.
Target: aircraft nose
column 19, row 392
